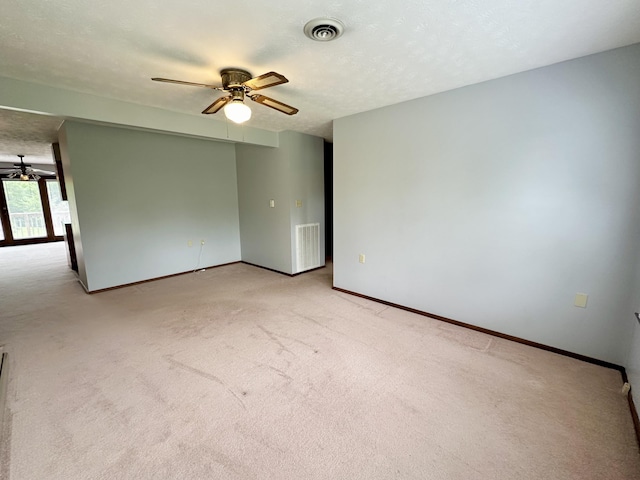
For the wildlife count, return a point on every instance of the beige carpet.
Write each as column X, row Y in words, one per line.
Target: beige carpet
column 242, row 373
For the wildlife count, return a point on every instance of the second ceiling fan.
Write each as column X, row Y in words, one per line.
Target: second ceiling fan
column 24, row 171
column 239, row 84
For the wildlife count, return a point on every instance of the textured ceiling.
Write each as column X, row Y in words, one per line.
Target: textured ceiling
column 392, row 51
column 27, row 134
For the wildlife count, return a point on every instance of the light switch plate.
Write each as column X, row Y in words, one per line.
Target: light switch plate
column 272, row 203
column 581, row 300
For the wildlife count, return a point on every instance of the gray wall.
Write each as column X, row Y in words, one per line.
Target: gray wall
column 306, row 171
column 138, row 198
column 293, row 171
column 496, row 203
column 264, row 231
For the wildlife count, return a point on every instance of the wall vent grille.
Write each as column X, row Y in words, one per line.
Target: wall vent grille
column 308, row 246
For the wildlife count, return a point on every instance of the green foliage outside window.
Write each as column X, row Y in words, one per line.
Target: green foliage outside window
column 22, row 197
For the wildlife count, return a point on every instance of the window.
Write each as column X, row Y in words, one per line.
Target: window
column 25, row 209
column 31, row 211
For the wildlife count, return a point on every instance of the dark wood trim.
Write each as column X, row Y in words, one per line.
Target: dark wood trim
column 267, row 268
column 559, row 351
column 284, row 273
column 57, row 157
column 46, row 207
column 189, row 271
column 623, row 373
column 72, row 256
column 310, row 270
column 5, row 222
column 328, row 199
column 152, row 279
column 541, row 346
column 634, row 416
column 31, row 241
column 307, row 271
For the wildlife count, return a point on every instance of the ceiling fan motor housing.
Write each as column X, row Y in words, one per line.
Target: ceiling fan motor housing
column 234, row 78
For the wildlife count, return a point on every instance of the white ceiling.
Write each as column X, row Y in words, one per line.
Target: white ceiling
column 391, row 51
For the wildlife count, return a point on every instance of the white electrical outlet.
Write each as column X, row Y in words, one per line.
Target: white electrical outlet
column 272, row 203
column 361, row 258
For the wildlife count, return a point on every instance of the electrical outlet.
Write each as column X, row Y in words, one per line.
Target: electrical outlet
column 298, row 203
column 272, row 203
column 201, row 242
column 189, row 243
column 361, row 258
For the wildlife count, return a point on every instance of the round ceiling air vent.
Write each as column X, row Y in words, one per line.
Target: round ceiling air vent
column 323, row 29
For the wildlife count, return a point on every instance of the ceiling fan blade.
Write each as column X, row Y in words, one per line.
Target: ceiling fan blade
column 180, row 82
column 264, row 81
column 275, row 104
column 217, row 105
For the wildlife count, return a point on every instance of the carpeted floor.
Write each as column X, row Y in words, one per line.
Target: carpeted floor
column 242, row 373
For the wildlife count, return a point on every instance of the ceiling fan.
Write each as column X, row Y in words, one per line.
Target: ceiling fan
column 24, row 171
column 238, row 83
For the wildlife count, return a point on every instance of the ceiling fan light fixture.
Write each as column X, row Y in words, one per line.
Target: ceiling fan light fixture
column 24, row 177
column 324, row 29
column 237, row 111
